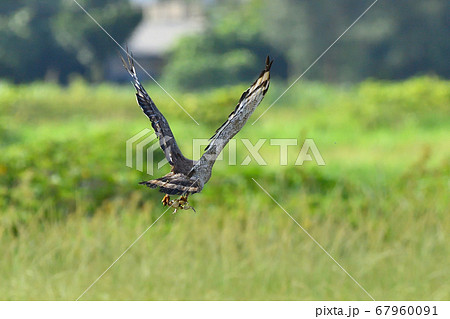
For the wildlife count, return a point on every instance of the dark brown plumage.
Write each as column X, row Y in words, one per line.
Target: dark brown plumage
column 188, row 176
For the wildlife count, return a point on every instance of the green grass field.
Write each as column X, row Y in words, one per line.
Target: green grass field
column 380, row 207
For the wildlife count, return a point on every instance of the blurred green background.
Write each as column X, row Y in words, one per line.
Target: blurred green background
column 376, row 105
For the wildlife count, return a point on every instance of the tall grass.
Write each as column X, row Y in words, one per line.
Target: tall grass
column 70, row 206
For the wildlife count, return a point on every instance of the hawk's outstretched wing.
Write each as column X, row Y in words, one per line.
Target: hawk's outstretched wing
column 247, row 104
column 180, row 164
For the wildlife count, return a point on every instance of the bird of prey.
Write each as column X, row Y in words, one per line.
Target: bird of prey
column 188, row 176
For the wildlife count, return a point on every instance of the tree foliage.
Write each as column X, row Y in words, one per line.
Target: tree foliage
column 54, row 38
column 393, row 40
column 227, row 52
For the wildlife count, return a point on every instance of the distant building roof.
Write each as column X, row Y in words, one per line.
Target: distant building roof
column 163, row 24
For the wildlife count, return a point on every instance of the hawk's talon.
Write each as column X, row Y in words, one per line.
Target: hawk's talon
column 179, row 203
column 166, row 200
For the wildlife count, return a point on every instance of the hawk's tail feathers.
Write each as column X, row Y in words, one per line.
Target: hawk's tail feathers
column 174, row 184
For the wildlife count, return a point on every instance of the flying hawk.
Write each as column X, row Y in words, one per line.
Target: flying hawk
column 188, row 176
